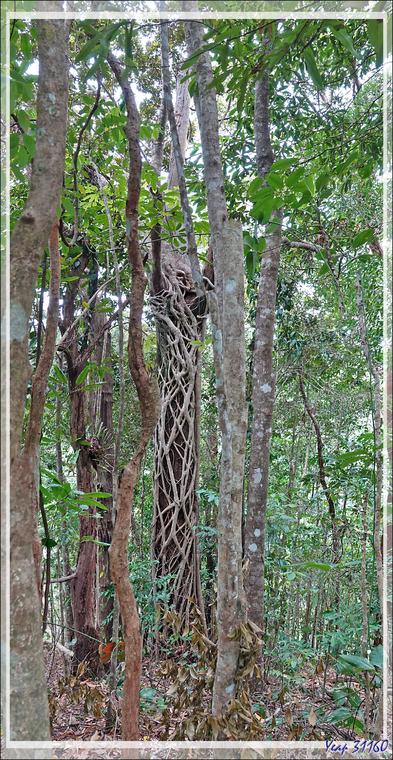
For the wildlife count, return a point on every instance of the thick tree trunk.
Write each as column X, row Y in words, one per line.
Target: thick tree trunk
column 29, row 715
column 229, row 359
column 177, row 311
column 264, row 380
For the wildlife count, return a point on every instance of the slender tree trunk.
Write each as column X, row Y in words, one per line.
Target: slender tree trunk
column 263, row 377
column 149, row 401
column 101, row 415
column 82, row 586
column 376, row 411
column 365, row 618
column 29, row 715
column 227, row 316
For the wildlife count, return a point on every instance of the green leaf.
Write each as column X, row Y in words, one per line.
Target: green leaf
column 275, row 180
column 98, row 494
column 340, row 714
column 282, row 163
column 24, row 120
column 14, row 144
column 309, row 181
column 376, row 656
column 312, row 67
column 62, row 378
column 83, row 375
column 363, row 237
column 94, row 541
column 148, row 694
column 263, row 209
column 68, row 206
column 322, row 180
column 324, row 269
column 49, row 542
column 29, row 143
column 375, row 33
column 345, row 39
column 294, row 177
column 264, row 192
column 87, row 50
column 354, row 662
column 251, row 262
column 318, row 566
column 128, row 42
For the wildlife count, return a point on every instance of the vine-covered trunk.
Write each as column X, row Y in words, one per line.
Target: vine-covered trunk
column 179, row 322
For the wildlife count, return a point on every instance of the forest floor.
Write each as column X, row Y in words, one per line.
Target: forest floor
column 280, row 710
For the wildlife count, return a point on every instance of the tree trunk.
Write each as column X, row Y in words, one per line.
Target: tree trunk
column 29, row 715
column 101, row 415
column 179, row 320
column 376, row 412
column 264, row 380
column 64, row 588
column 149, row 401
column 227, row 316
column 82, row 586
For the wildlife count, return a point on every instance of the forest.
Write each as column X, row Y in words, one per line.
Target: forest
column 196, row 383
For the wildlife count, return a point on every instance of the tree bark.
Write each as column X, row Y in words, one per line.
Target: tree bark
column 82, row 586
column 149, row 401
column 376, row 412
column 31, row 449
column 264, row 380
column 227, row 317
column 179, row 314
column 101, row 411
column 29, row 716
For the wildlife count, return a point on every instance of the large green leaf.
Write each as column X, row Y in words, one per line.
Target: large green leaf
column 318, row 566
column 375, row 33
column 354, row 662
column 83, row 375
column 60, row 375
column 88, row 48
column 342, row 35
column 312, row 67
column 363, row 237
column 376, row 656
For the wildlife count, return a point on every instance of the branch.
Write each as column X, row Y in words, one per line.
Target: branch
column 332, row 267
column 75, row 161
column 301, row 244
column 313, row 418
column 192, row 249
column 84, row 311
column 83, row 358
column 65, row 578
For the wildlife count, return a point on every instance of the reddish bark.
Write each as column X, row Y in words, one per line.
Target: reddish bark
column 28, row 717
column 149, row 401
column 38, row 394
